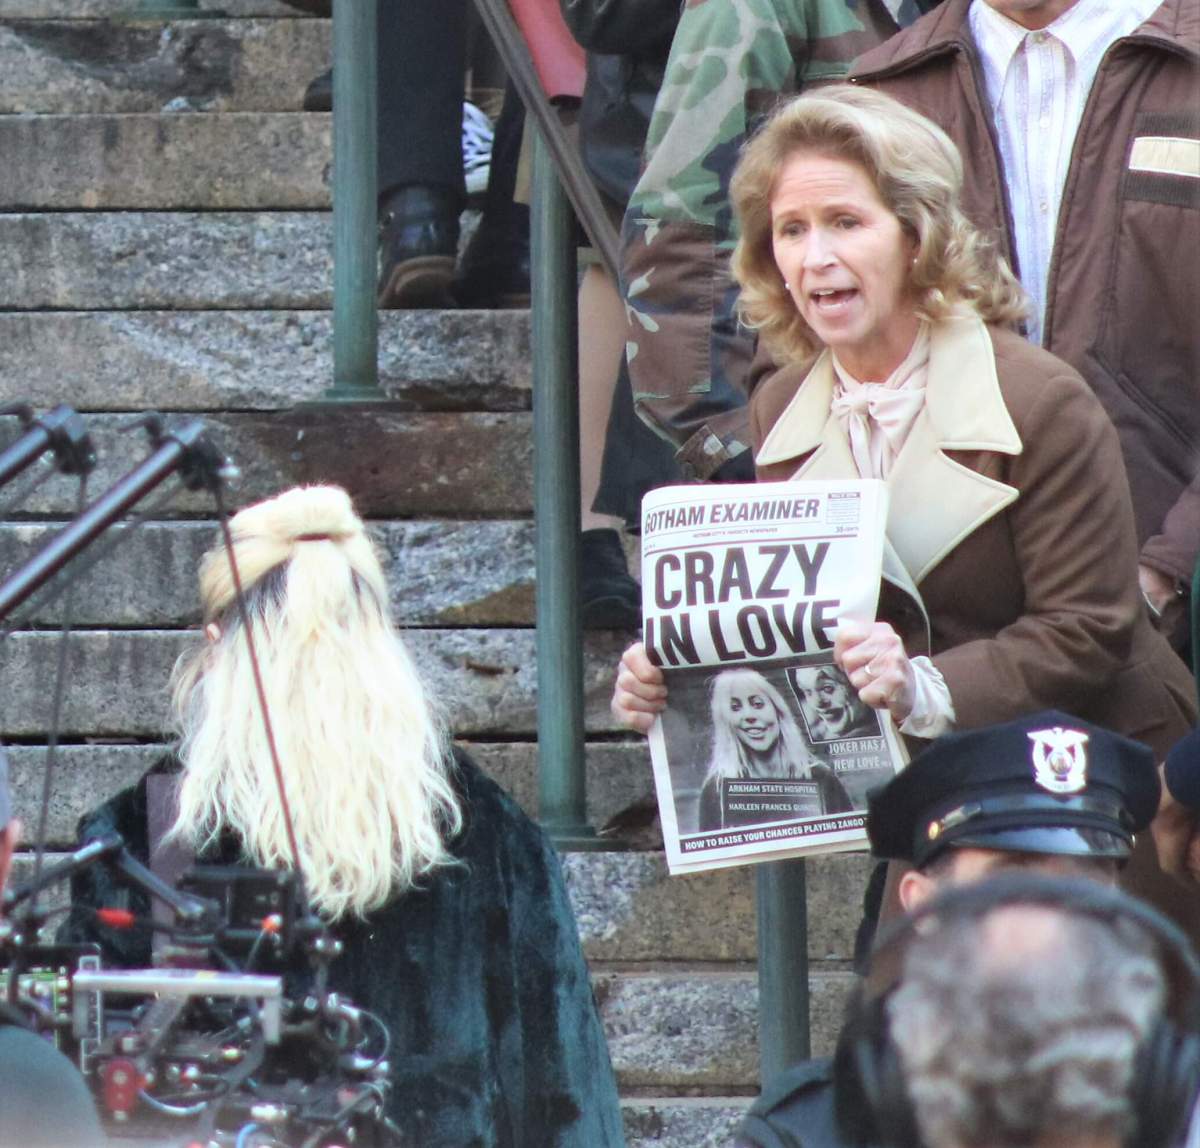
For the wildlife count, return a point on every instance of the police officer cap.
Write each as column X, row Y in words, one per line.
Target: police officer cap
column 1046, row 783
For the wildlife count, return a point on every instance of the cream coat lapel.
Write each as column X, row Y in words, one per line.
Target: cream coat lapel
column 935, row 502
column 806, row 425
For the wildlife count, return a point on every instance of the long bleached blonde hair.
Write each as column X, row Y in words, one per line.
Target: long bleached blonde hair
column 363, row 750
column 729, row 756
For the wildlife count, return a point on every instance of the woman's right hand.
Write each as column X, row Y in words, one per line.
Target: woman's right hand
column 640, row 694
column 872, row 657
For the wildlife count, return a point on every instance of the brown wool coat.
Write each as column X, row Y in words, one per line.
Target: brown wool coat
column 1010, row 510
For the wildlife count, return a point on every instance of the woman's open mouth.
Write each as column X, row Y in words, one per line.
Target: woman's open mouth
column 832, row 299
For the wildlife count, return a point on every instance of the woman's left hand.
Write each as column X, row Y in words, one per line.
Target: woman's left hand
column 872, row 656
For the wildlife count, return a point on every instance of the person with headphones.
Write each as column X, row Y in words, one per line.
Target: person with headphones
column 1045, row 793
column 1024, row 1012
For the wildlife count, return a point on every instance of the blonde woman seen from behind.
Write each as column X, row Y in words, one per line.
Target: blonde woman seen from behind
column 366, row 755
column 448, row 900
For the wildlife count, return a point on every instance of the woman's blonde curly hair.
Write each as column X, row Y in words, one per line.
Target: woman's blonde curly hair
column 918, row 173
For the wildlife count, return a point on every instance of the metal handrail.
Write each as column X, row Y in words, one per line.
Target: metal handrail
column 781, row 902
column 497, row 18
column 780, row 889
column 557, row 186
column 355, row 147
column 560, row 723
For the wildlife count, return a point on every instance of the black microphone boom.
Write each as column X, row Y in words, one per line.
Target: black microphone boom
column 187, row 449
column 88, row 854
column 189, row 911
column 61, row 430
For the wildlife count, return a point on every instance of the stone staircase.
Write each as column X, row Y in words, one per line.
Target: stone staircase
column 165, row 244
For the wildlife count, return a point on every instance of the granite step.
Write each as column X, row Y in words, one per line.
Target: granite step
column 111, row 261
column 617, row 772
column 683, row 1122
column 66, row 66
column 149, row 579
column 172, row 260
column 258, row 360
column 699, row 1028
column 629, row 909
column 395, row 465
column 218, row 162
column 486, row 678
column 103, row 9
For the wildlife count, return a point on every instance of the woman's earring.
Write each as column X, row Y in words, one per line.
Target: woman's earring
column 786, row 285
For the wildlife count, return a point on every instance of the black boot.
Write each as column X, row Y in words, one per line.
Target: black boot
column 318, row 96
column 494, row 272
column 418, row 240
column 609, row 598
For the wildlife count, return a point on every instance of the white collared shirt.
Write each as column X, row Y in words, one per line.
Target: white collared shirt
column 1037, row 84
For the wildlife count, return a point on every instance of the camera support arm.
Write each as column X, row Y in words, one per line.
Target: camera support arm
column 61, row 430
column 186, row 449
column 198, row 915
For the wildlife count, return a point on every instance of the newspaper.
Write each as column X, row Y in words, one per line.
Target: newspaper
column 765, row 749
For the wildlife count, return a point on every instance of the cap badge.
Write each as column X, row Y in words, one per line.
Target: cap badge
column 1059, row 759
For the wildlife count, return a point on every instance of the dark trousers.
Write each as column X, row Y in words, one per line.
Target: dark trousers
column 421, row 46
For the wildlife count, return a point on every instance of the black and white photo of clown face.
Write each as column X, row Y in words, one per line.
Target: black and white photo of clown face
column 831, row 707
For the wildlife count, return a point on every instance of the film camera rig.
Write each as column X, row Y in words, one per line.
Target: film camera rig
column 234, row 1038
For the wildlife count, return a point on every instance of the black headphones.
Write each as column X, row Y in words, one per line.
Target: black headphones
column 869, row 1089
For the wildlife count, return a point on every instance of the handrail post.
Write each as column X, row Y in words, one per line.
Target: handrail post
column 783, row 999
column 355, row 100
column 562, row 783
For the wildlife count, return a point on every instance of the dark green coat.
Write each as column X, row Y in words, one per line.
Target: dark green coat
column 478, row 974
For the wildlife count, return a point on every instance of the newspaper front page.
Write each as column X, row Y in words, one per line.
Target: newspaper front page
column 765, row 749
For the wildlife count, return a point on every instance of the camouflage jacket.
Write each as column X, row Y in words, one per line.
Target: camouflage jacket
column 731, row 62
